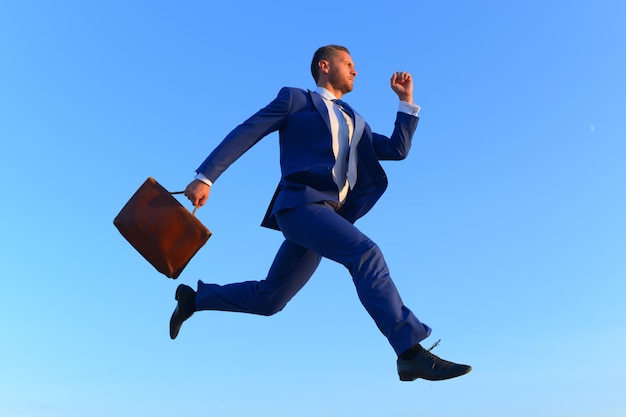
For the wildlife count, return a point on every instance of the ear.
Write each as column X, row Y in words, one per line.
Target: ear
column 324, row 66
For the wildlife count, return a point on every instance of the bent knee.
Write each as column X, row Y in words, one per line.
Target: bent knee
column 272, row 307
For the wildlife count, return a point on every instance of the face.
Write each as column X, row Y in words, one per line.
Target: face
column 341, row 72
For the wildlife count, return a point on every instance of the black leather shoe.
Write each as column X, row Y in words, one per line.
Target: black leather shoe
column 186, row 298
column 425, row 365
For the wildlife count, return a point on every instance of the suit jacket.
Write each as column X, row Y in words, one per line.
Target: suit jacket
column 306, row 154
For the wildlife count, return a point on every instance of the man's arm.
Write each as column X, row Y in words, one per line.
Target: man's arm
column 397, row 146
column 267, row 120
column 236, row 143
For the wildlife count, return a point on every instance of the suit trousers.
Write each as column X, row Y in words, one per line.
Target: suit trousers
column 314, row 231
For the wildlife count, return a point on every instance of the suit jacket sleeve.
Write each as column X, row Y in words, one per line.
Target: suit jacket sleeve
column 398, row 145
column 267, row 120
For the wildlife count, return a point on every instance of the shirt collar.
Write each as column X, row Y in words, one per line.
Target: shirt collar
column 325, row 93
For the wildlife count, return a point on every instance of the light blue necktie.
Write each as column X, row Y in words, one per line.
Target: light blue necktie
column 352, row 169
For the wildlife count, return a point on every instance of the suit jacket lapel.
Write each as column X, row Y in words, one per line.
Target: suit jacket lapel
column 359, row 126
column 319, row 104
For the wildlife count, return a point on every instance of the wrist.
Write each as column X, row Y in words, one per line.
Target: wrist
column 202, row 178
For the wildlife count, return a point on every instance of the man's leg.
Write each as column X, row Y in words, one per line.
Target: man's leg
column 291, row 269
column 319, row 228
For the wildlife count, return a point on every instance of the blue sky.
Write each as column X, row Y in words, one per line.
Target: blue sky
column 504, row 229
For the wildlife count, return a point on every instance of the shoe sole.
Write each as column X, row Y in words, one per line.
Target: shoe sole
column 409, row 378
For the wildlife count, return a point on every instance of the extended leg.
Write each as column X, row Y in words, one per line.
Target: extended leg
column 291, row 269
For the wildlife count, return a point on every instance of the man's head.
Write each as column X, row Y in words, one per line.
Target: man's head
column 333, row 69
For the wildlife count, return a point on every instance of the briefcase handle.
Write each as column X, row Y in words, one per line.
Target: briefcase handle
column 193, row 213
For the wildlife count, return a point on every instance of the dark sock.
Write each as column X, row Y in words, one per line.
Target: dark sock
column 411, row 352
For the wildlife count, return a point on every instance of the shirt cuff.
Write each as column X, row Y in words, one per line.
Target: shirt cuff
column 408, row 108
column 204, row 179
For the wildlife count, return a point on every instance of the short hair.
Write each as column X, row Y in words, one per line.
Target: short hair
column 324, row 53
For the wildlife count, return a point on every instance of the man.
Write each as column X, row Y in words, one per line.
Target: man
column 330, row 178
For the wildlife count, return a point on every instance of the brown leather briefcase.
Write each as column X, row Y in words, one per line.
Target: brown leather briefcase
column 161, row 229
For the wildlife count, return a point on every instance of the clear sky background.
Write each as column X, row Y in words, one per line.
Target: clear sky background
column 504, row 229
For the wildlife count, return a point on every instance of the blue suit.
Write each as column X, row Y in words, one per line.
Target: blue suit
column 305, row 209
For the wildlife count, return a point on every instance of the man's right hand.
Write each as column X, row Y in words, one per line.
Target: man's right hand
column 197, row 192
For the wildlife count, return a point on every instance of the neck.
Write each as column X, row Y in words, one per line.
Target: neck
column 335, row 92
